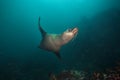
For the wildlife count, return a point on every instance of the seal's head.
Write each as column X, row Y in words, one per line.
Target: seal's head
column 69, row 34
column 73, row 31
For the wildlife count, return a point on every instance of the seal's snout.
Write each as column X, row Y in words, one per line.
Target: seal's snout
column 75, row 30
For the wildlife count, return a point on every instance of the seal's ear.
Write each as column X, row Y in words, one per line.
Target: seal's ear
column 66, row 30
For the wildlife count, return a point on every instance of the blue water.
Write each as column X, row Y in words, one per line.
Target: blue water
column 97, row 45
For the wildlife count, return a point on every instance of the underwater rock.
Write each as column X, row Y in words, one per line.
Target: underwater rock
column 69, row 75
column 107, row 74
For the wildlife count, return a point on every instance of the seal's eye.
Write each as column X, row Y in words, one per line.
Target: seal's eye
column 69, row 30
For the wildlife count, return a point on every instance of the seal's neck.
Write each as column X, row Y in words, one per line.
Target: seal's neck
column 66, row 37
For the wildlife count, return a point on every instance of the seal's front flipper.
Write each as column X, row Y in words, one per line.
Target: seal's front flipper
column 40, row 28
column 58, row 55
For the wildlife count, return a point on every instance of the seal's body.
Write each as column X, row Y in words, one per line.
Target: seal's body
column 53, row 42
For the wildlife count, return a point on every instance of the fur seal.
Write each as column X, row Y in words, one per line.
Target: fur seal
column 53, row 42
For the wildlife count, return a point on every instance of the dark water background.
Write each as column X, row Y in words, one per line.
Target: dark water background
column 97, row 45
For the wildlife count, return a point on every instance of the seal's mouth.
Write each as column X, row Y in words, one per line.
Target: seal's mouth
column 72, row 30
column 75, row 30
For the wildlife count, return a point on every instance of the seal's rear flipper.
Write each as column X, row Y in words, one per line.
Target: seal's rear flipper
column 58, row 55
column 40, row 28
